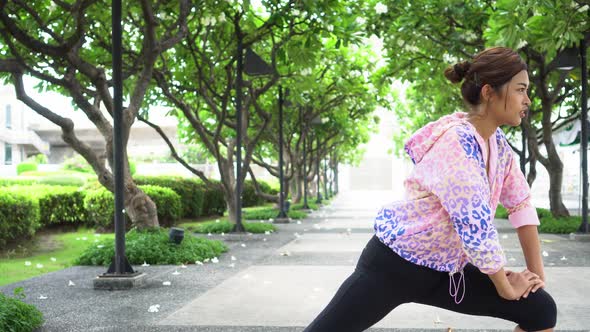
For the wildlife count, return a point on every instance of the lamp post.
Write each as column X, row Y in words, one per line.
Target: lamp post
column 282, row 217
column 252, row 65
column 316, row 122
column 303, row 134
column 569, row 59
column 326, row 193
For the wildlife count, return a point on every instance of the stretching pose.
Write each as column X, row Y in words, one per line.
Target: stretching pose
column 439, row 246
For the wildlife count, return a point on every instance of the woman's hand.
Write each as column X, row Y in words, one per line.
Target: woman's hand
column 523, row 283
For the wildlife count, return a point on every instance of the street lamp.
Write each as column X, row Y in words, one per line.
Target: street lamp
column 252, row 65
column 303, row 134
column 569, row 59
column 316, row 122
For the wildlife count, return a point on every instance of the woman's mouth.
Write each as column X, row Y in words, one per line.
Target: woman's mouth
column 522, row 114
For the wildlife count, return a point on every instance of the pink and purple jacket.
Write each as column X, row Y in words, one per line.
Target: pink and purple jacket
column 446, row 218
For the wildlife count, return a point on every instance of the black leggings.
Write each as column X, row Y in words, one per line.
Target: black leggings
column 382, row 280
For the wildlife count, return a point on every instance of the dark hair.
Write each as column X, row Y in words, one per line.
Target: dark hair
column 494, row 66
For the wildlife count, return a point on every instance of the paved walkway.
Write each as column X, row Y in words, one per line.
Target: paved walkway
column 280, row 282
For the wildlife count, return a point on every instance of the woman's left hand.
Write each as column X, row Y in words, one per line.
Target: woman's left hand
column 539, row 282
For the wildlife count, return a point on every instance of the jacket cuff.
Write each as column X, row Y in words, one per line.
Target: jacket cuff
column 524, row 216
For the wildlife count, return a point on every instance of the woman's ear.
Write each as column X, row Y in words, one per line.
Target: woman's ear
column 487, row 93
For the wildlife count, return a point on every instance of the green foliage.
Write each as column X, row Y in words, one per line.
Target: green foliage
column 25, row 167
column 77, row 163
column 19, row 216
column 168, row 202
column 249, row 196
column 153, row 247
column 191, row 192
column 564, row 225
column 265, row 213
column 62, row 180
column 57, row 204
column 38, row 159
column 224, row 226
column 501, row 212
column 18, row 316
column 6, row 182
column 100, row 205
column 214, row 200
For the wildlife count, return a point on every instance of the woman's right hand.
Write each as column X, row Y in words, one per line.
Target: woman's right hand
column 520, row 282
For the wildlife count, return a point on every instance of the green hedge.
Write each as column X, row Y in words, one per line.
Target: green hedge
column 17, row 316
column 7, row 182
column 214, row 200
column 100, row 206
column 191, row 193
column 549, row 224
column 57, row 204
column 19, row 216
column 153, row 247
column 25, row 167
column 62, row 180
column 224, row 226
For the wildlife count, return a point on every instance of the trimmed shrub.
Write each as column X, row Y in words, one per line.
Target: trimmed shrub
column 214, row 200
column 57, row 204
column 19, row 216
column 501, row 212
column 249, row 196
column 542, row 213
column 265, row 213
column 168, row 203
column 153, row 247
column 100, row 205
column 17, row 316
column 77, row 163
column 7, row 182
column 191, row 193
column 25, row 167
column 224, row 226
column 563, row 225
column 62, row 180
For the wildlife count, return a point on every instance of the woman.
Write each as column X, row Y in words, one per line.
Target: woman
column 439, row 246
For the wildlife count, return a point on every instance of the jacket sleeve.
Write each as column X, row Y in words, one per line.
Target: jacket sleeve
column 459, row 181
column 516, row 197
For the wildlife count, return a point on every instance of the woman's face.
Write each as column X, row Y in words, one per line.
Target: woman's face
column 512, row 104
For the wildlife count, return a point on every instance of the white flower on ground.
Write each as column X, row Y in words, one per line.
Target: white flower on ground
column 217, row 220
column 233, row 258
column 222, row 234
column 215, row 260
column 154, row 308
column 563, row 258
column 266, row 232
column 175, row 272
column 264, row 240
column 271, row 220
column 206, row 260
column 145, row 264
column 298, row 222
column 243, row 245
column 53, row 259
column 42, row 297
column 71, row 283
column 505, row 236
column 198, row 262
column 545, row 254
column 262, row 221
column 209, row 234
column 27, row 263
column 166, row 283
column 39, row 266
column 183, row 266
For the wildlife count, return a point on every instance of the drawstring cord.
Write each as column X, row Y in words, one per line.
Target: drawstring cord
column 452, row 285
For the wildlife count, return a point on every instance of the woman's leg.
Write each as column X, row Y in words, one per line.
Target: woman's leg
column 535, row 313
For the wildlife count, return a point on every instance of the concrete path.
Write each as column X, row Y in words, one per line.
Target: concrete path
column 280, row 282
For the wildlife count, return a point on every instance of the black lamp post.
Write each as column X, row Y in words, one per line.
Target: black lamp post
column 568, row 59
column 252, row 65
column 282, row 217
column 303, row 134
column 316, row 122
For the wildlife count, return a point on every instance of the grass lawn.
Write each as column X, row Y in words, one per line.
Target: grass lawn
column 62, row 247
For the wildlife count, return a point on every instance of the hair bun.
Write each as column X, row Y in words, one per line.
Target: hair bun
column 457, row 72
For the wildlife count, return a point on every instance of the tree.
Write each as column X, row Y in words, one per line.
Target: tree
column 67, row 46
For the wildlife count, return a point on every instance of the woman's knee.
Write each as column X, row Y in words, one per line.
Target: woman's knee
column 541, row 313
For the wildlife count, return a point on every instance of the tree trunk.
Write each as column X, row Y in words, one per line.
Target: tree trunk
column 558, row 209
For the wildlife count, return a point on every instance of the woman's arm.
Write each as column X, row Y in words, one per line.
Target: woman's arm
column 531, row 247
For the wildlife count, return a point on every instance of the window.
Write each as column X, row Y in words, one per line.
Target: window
column 8, row 116
column 7, row 154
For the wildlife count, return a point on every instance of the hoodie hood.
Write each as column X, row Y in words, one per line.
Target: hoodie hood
column 422, row 140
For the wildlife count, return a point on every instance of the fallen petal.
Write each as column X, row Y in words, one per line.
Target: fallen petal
column 42, row 297
column 233, row 258
column 563, row 258
column 154, row 308
column 243, row 245
column 39, row 266
column 27, row 263
column 215, row 260
column 175, row 272
column 71, row 283
column 198, row 262
column 166, row 283
column 545, row 254
column 145, row 264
